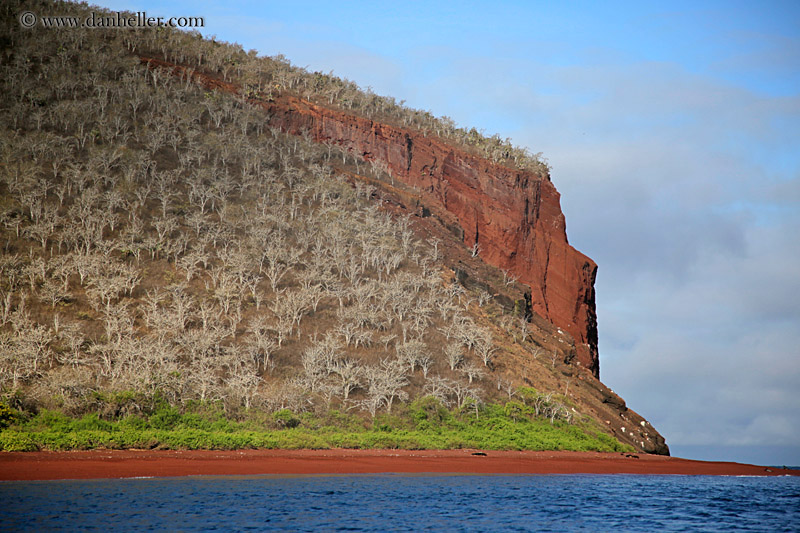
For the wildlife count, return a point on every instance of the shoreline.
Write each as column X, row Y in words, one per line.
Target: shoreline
column 115, row 464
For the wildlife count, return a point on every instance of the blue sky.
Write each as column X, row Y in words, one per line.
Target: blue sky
column 673, row 133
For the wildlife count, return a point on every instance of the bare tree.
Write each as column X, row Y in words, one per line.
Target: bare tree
column 507, row 386
column 465, row 394
column 440, row 388
column 425, row 363
column 483, row 298
column 536, row 352
column 524, row 330
column 385, row 384
column 242, row 387
column 203, row 379
column 349, row 374
column 22, row 355
column 348, row 331
column 435, row 242
column 475, row 250
column 472, row 372
column 315, row 367
column 261, row 344
column 119, row 321
column 509, row 278
column 105, row 289
column 72, row 338
column 485, row 348
column 53, row 292
column 454, row 354
column 277, row 260
column 290, row 306
column 411, row 353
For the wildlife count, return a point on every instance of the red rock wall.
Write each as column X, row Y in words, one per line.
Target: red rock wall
column 515, row 216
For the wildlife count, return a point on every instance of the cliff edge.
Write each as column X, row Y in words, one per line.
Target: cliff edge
column 513, row 216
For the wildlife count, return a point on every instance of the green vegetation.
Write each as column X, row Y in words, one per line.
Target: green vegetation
column 423, row 424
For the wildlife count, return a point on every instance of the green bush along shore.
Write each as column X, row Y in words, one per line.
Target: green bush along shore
column 422, row 424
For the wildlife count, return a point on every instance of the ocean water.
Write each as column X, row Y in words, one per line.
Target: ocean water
column 388, row 502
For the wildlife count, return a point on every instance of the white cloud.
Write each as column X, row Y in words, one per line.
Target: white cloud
column 695, row 233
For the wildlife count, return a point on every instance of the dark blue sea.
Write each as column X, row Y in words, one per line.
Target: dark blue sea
column 389, row 502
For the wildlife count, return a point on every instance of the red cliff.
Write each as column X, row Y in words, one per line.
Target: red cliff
column 514, row 216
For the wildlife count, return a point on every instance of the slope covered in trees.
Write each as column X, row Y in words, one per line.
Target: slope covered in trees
column 164, row 250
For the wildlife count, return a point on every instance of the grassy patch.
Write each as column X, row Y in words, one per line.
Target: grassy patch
column 423, row 424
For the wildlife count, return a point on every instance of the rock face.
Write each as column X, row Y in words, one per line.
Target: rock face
column 514, row 216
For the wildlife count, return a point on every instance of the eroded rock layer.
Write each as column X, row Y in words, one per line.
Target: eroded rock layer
column 514, row 216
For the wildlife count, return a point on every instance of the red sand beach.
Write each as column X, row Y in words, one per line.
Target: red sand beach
column 167, row 463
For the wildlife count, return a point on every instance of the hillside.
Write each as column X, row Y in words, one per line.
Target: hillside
column 190, row 224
